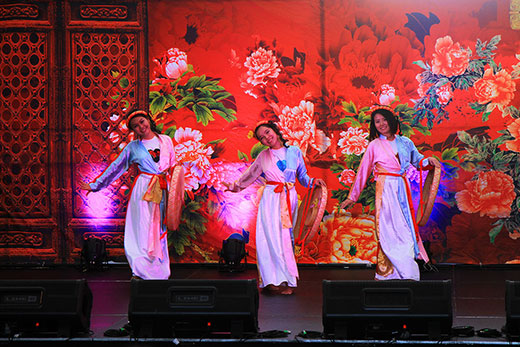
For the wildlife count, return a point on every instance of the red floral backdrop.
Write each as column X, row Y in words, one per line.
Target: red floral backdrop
column 449, row 69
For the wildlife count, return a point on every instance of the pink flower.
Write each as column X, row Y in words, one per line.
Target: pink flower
column 449, row 59
column 261, row 65
column 299, row 128
column 353, row 141
column 444, row 94
column 347, row 177
column 220, row 172
column 171, row 65
column 387, row 95
column 194, row 155
column 413, row 174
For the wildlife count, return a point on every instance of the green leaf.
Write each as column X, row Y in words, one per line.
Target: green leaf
column 256, row 149
column 336, row 168
column 216, row 141
column 171, row 99
column 350, row 120
column 494, row 232
column 154, row 94
column 186, row 101
column 124, row 83
column 221, row 96
column 203, row 114
column 114, row 74
column 228, row 116
column 157, row 105
column 464, row 136
column 242, row 156
column 450, row 154
column 349, row 107
column 421, row 64
column 171, row 131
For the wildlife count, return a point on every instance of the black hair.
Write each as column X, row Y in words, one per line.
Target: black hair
column 141, row 113
column 393, row 123
column 272, row 125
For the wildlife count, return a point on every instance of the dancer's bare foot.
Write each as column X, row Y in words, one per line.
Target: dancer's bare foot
column 270, row 289
column 287, row 291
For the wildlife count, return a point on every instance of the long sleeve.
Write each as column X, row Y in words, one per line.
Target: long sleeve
column 301, row 171
column 364, row 170
column 249, row 176
column 408, row 153
column 113, row 171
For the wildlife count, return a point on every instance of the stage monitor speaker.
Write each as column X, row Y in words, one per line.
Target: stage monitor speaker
column 193, row 308
column 512, row 327
column 387, row 309
column 45, row 307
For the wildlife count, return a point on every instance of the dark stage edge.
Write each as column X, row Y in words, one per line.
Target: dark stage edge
column 477, row 298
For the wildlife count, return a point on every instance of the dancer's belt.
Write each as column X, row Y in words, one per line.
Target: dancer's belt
column 279, row 186
column 157, row 184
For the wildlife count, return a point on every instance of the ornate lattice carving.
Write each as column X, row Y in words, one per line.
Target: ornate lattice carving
column 103, row 12
column 113, row 240
column 104, row 76
column 18, row 11
column 24, row 136
column 21, row 239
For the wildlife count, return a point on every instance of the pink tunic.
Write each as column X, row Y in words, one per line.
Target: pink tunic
column 398, row 242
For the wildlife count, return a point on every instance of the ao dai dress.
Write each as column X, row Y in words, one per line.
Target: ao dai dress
column 145, row 250
column 274, row 245
column 398, row 240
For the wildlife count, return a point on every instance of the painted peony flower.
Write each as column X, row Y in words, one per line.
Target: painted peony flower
column 171, row 65
column 347, row 177
column 444, row 94
column 499, row 88
column 387, row 95
column 261, row 65
column 299, row 128
column 353, row 141
column 491, row 194
column 514, row 130
column 194, row 155
column 349, row 239
column 449, row 59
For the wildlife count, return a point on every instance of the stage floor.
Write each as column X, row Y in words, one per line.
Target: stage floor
column 477, row 298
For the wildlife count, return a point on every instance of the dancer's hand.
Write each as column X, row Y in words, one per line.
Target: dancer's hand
column 347, row 204
column 85, row 186
column 434, row 161
column 228, row 186
column 320, row 182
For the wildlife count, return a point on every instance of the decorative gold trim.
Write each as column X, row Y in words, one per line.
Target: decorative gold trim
column 514, row 14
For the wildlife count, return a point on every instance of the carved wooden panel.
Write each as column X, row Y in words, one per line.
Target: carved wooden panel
column 29, row 202
column 68, row 72
column 105, row 69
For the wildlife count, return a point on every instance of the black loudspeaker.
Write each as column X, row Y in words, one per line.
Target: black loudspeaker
column 512, row 327
column 193, row 308
column 50, row 307
column 387, row 309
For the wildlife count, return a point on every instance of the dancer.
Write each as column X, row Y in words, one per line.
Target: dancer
column 146, row 246
column 279, row 165
column 390, row 155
